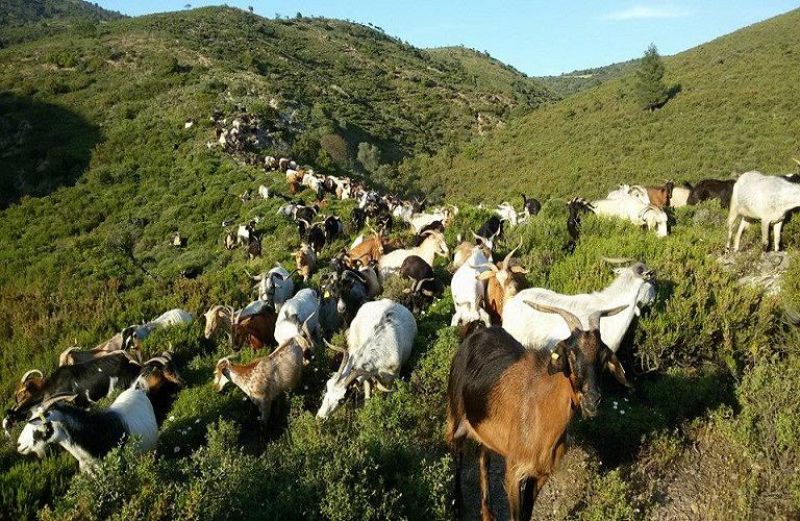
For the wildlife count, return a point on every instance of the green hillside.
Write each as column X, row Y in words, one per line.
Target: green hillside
column 573, row 82
column 100, row 170
column 22, row 20
column 736, row 111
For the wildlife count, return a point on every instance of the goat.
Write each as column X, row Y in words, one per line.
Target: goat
column 299, row 313
column 469, row 289
column 230, row 241
column 633, row 287
column 680, row 195
column 712, row 189
column 263, row 191
column 312, row 234
column 367, row 250
column 575, row 207
column 244, row 232
column 90, row 435
column 219, row 317
column 530, row 206
column 333, row 228
column 503, row 280
column 764, row 197
column 519, row 403
column 91, row 380
column 358, row 217
column 264, row 379
column 434, row 226
column 254, row 247
column 659, row 196
column 351, row 291
column 275, row 286
column 161, row 382
column 309, row 213
column 492, row 228
column 507, row 213
column 421, row 220
column 173, row 317
column 632, row 209
column 433, row 245
column 464, row 250
column 379, row 341
column 306, row 261
column 256, row 329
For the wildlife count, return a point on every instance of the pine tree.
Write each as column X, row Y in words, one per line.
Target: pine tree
column 649, row 88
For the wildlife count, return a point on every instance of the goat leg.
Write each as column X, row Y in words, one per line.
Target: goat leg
column 483, row 462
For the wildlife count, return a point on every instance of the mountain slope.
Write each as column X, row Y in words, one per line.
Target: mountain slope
column 23, row 20
column 737, row 110
column 573, row 82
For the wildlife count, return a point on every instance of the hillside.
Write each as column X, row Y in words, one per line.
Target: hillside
column 108, row 148
column 735, row 112
column 22, row 20
column 570, row 83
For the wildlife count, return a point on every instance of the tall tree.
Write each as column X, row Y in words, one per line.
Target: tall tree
column 649, row 88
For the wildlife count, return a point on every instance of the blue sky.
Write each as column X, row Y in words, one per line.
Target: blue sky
column 538, row 37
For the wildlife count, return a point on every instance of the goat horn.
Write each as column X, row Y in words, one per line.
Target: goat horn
column 355, row 373
column 617, row 260
column 333, row 347
column 572, row 321
column 796, row 160
column 594, row 318
column 28, row 375
column 511, row 254
column 46, row 404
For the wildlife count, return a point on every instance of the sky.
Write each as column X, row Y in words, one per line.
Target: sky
column 538, row 37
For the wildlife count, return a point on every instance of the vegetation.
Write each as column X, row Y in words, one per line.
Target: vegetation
column 735, row 112
column 570, row 83
column 649, row 89
column 712, row 426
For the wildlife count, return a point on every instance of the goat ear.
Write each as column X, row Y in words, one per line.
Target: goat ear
column 558, row 362
column 518, row 269
column 613, row 365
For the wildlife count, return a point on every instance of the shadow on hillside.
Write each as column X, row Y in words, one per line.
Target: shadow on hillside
column 42, row 147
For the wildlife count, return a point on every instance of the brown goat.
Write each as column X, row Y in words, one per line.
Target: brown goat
column 503, row 280
column 264, row 379
column 161, row 382
column 518, row 403
column 660, row 195
column 306, row 261
column 370, row 249
column 257, row 330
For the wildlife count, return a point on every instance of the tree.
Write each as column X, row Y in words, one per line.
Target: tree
column 250, row 8
column 649, row 89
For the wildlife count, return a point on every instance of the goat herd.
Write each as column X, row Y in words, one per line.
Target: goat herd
column 529, row 358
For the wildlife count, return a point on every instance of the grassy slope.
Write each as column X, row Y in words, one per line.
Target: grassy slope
column 24, row 20
column 706, row 350
column 570, row 83
column 736, row 111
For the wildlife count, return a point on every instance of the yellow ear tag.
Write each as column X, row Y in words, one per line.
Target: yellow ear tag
column 327, row 294
column 554, row 356
column 41, row 417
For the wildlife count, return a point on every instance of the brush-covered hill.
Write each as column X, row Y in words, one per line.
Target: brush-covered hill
column 329, row 85
column 736, row 111
column 22, row 20
column 570, row 83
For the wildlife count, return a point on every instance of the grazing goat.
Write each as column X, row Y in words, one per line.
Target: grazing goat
column 507, row 213
column 379, row 342
column 256, row 329
column 575, row 207
column 680, row 195
column 518, row 404
column 90, row 380
column 173, row 317
column 421, row 220
column 632, row 209
column 464, row 250
column 306, row 261
column 161, row 382
column 298, row 314
column 90, row 435
column 264, row 379
column 358, row 217
column 230, row 241
column 530, row 206
column 433, row 245
column 263, row 191
column 503, row 280
column 333, row 228
column 219, row 318
column 468, row 289
column 633, row 287
column 312, row 234
column 275, row 286
column 492, row 229
column 367, row 250
column 712, row 189
column 659, row 196
column 763, row 197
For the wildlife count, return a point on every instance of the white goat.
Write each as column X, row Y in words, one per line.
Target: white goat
column 379, row 341
column 263, row 191
column 507, row 212
column 173, row 317
column 632, row 209
column 418, row 221
column 90, row 435
column 633, row 288
column 433, row 245
column 300, row 310
column 468, row 289
column 275, row 286
column 761, row 197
